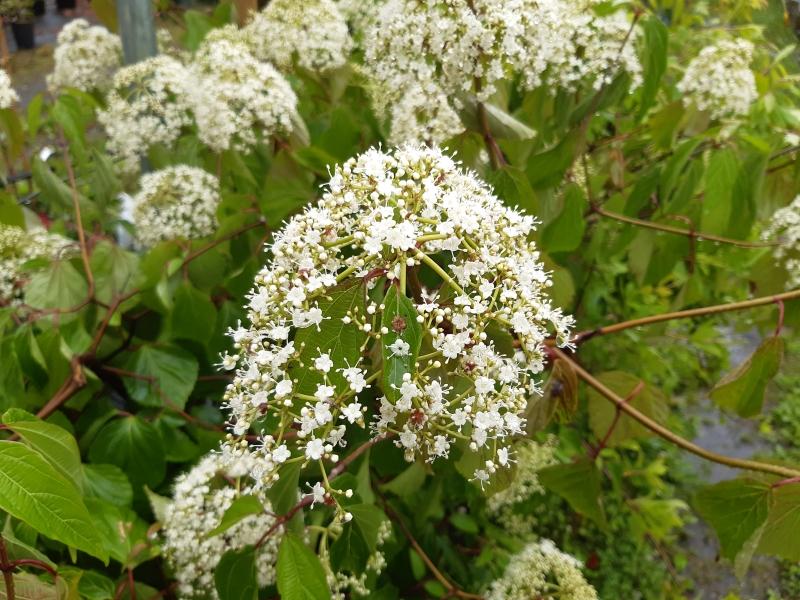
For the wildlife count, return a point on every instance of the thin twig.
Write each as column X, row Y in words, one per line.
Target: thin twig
column 452, row 589
column 335, row 472
column 690, row 233
column 76, row 205
column 667, row 434
column 684, row 314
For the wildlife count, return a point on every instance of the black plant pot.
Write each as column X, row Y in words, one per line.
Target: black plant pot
column 38, row 8
column 23, row 35
column 65, row 4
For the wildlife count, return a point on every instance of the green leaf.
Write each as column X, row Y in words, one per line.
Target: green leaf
column 34, row 492
column 579, row 484
column 300, row 574
column 602, row 413
column 56, row 193
column 409, row 481
column 240, row 508
column 133, row 445
column 158, row 504
column 235, row 576
column 193, row 315
column 283, row 494
column 166, row 376
column 723, row 168
column 656, row 517
column 115, row 270
column 565, row 232
column 339, row 340
column 512, row 186
column 95, row 586
column 17, row 549
column 29, row 587
column 108, row 483
column 654, row 59
column 547, row 168
column 737, row 510
column 55, row 444
column 779, row 537
column 742, row 390
column 359, row 538
column 400, row 318
column 60, row 285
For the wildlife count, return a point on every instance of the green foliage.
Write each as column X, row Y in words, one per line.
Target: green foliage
column 300, row 574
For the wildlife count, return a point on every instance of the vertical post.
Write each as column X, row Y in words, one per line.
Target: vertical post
column 244, row 8
column 137, row 29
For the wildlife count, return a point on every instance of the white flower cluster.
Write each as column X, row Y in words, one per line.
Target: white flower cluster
column 719, row 79
column 531, row 457
column 785, row 225
column 388, row 218
column 347, row 585
column 424, row 116
column 542, row 571
column 86, row 56
column 149, row 104
column 452, row 47
column 237, row 98
column 200, row 499
column 313, row 32
column 178, row 202
column 8, row 95
column 17, row 247
column 361, row 15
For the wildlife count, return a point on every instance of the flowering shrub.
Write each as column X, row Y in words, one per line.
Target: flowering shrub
column 399, row 299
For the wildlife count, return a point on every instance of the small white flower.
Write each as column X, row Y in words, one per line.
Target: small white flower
column 315, row 449
column 400, row 348
column 323, row 363
column 317, row 494
column 352, row 412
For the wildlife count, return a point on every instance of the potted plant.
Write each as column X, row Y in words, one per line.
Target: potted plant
column 20, row 14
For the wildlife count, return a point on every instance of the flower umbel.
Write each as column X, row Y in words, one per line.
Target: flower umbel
column 785, row 226
column 86, row 57
column 200, row 499
column 176, row 203
column 459, row 357
column 542, row 571
column 719, row 79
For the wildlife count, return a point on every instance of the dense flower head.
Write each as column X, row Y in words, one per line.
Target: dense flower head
column 344, row 584
column 178, row 202
column 719, row 79
column 86, row 57
column 148, row 104
column 17, row 247
column 460, row 354
column 542, row 571
column 785, row 226
column 200, row 498
column 314, row 33
column 8, row 95
column 424, row 115
column 468, row 46
column 530, row 458
column 238, row 99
